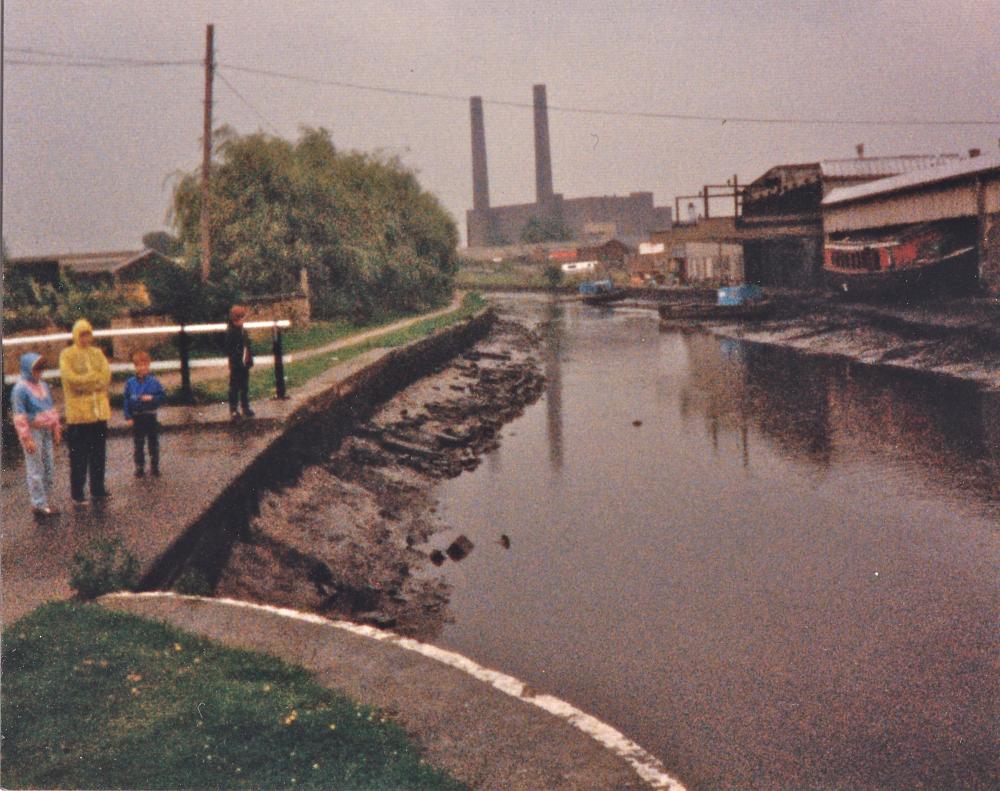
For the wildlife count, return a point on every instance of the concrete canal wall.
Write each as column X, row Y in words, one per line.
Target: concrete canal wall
column 324, row 410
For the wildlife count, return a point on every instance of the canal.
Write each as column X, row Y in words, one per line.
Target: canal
column 771, row 571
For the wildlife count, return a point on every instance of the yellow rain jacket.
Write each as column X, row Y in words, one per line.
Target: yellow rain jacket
column 86, row 376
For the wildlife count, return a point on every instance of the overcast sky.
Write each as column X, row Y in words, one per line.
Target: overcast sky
column 88, row 154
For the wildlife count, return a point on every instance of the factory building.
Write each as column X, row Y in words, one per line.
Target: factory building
column 629, row 219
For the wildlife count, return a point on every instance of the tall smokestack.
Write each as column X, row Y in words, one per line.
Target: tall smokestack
column 543, row 157
column 480, row 175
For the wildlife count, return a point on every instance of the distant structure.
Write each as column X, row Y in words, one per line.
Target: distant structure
column 627, row 218
column 784, row 208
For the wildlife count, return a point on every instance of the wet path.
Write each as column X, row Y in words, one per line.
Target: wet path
column 785, row 577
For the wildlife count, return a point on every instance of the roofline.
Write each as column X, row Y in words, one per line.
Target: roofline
column 32, row 259
column 873, row 191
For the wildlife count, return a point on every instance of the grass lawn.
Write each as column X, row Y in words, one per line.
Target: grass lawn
column 98, row 699
column 299, row 372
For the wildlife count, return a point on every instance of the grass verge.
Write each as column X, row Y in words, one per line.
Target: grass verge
column 100, row 699
column 301, row 371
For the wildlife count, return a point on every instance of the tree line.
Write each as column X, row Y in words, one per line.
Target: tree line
column 372, row 241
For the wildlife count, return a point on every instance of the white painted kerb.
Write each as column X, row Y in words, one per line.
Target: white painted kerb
column 649, row 768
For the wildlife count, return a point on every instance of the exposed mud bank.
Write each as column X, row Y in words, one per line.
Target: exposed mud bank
column 345, row 538
column 959, row 339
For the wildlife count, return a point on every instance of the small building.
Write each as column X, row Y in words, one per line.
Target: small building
column 612, row 253
column 960, row 197
column 119, row 269
column 785, row 205
column 718, row 263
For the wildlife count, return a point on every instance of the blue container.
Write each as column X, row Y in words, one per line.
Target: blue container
column 740, row 295
column 595, row 287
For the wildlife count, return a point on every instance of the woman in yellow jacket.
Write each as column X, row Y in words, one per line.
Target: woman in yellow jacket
column 86, row 375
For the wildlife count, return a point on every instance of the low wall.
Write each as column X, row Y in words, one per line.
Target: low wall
column 332, row 404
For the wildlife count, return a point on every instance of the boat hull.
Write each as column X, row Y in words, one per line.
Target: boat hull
column 948, row 274
column 604, row 297
column 687, row 311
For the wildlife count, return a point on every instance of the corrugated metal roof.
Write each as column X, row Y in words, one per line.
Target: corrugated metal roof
column 916, row 178
column 873, row 167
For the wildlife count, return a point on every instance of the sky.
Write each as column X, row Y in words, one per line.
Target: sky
column 90, row 155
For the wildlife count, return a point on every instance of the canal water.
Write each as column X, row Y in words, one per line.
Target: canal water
column 769, row 570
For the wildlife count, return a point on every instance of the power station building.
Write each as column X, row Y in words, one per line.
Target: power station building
column 627, row 218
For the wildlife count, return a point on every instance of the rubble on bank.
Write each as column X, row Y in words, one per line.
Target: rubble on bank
column 345, row 539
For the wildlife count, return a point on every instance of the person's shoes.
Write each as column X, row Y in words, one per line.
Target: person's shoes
column 44, row 512
column 155, row 472
column 80, row 503
column 248, row 412
column 234, row 415
column 140, row 472
column 100, row 495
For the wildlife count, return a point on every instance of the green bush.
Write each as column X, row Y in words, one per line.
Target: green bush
column 103, row 567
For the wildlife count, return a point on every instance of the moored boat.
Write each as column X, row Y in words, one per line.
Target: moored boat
column 919, row 258
column 733, row 303
column 600, row 292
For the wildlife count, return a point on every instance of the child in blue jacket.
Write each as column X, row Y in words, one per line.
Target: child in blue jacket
column 143, row 396
column 38, row 429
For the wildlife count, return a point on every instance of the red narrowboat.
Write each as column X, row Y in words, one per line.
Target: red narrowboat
column 924, row 257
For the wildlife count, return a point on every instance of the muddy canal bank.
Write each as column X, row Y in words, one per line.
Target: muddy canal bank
column 347, row 538
column 958, row 339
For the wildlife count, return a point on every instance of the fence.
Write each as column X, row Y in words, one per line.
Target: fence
column 184, row 364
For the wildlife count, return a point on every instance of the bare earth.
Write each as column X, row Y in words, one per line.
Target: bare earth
column 346, row 538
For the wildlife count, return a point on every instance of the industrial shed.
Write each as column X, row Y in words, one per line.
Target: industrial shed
column 965, row 193
column 784, row 207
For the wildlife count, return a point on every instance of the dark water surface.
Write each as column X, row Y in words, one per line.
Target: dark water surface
column 786, row 577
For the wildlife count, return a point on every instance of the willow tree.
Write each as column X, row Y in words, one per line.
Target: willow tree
column 372, row 240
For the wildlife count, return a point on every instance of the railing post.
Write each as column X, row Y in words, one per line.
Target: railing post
column 279, row 362
column 183, row 346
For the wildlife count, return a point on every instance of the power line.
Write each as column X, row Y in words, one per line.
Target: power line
column 93, row 64
column 112, row 62
column 723, row 119
column 246, row 101
column 71, row 59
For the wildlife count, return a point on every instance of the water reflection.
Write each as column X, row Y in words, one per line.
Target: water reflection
column 736, row 385
column 552, row 343
column 744, row 558
column 817, row 409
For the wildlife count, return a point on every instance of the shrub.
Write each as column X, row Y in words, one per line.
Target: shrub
column 104, row 566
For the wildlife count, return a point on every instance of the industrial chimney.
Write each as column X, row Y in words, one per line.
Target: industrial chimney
column 480, row 175
column 543, row 157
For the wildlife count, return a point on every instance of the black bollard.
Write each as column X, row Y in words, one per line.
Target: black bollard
column 183, row 346
column 279, row 362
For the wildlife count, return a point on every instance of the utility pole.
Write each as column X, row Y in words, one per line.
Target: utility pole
column 206, row 155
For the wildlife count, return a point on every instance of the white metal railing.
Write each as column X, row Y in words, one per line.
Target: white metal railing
column 170, row 329
column 167, row 365
column 185, row 363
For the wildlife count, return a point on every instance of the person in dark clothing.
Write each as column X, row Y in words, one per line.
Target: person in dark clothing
column 240, row 354
column 143, row 396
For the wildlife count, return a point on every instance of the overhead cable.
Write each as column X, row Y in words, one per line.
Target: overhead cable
column 723, row 119
column 246, row 101
column 88, row 61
